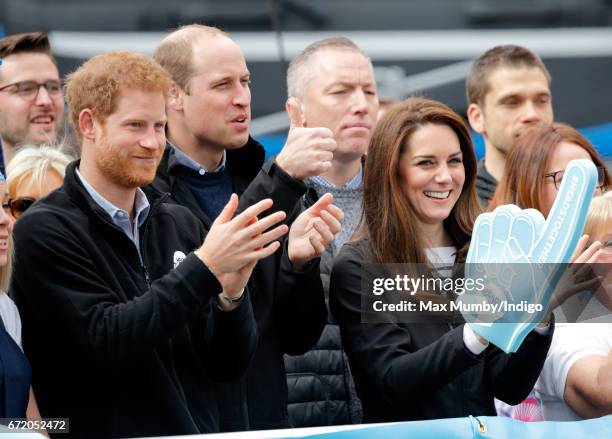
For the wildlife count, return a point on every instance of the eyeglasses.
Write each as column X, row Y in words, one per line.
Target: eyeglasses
column 558, row 177
column 18, row 206
column 30, row 89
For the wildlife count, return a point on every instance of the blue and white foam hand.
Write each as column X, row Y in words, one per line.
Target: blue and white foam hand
column 519, row 254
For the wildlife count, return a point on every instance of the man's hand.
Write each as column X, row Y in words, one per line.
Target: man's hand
column 313, row 231
column 233, row 285
column 233, row 246
column 308, row 151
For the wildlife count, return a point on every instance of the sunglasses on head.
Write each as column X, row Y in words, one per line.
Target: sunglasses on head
column 18, row 206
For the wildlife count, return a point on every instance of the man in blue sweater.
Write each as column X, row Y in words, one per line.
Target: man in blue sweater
column 210, row 155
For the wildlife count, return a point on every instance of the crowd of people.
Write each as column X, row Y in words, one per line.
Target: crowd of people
column 160, row 277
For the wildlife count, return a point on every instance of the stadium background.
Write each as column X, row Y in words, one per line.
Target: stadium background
column 419, row 47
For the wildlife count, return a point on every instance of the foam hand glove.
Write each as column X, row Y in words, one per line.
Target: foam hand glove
column 521, row 256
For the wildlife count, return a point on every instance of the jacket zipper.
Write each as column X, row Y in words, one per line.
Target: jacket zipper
column 146, row 275
column 143, row 238
column 482, row 428
column 143, row 265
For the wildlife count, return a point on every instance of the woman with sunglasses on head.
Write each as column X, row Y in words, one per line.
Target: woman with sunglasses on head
column 33, row 173
column 16, row 396
column 420, row 205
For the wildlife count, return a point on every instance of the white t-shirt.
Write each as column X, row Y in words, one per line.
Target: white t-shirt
column 571, row 342
column 10, row 317
column 442, row 258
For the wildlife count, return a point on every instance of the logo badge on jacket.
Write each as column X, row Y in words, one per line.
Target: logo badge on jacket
column 179, row 256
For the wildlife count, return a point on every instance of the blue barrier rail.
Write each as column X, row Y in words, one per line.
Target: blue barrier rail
column 481, row 427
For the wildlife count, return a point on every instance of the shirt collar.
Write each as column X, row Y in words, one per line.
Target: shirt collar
column 353, row 183
column 190, row 163
column 141, row 203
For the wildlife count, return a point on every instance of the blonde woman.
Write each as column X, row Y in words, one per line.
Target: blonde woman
column 16, row 397
column 33, row 173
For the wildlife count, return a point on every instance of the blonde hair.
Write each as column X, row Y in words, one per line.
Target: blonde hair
column 5, row 271
column 98, row 83
column 599, row 218
column 31, row 165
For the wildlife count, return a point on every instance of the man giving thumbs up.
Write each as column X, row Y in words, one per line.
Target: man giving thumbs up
column 333, row 106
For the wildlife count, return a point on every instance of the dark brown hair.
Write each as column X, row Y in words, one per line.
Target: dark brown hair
column 527, row 162
column 389, row 220
column 35, row 42
column 477, row 82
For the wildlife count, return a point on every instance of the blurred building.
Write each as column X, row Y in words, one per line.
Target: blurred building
column 417, row 46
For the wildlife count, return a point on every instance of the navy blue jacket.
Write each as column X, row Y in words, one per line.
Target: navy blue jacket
column 289, row 305
column 120, row 348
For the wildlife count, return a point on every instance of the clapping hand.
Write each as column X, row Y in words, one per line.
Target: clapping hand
column 313, row 231
column 234, row 245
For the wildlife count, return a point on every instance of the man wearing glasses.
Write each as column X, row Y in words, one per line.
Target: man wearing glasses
column 31, row 102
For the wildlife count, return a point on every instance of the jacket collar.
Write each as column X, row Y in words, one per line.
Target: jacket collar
column 484, row 175
column 244, row 162
column 79, row 195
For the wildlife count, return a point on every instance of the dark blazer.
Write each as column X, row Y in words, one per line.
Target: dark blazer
column 289, row 305
column 417, row 371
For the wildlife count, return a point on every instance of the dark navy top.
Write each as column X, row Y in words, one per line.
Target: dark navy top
column 15, row 377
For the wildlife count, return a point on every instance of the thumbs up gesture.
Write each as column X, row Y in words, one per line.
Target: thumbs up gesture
column 308, row 151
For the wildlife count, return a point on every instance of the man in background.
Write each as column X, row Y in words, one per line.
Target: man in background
column 31, row 102
column 331, row 86
column 508, row 89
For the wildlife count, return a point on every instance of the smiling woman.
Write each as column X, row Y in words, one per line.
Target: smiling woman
column 432, row 174
column 420, row 205
column 16, row 396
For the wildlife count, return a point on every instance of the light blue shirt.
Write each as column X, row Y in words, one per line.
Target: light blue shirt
column 190, row 163
column 120, row 217
column 353, row 183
